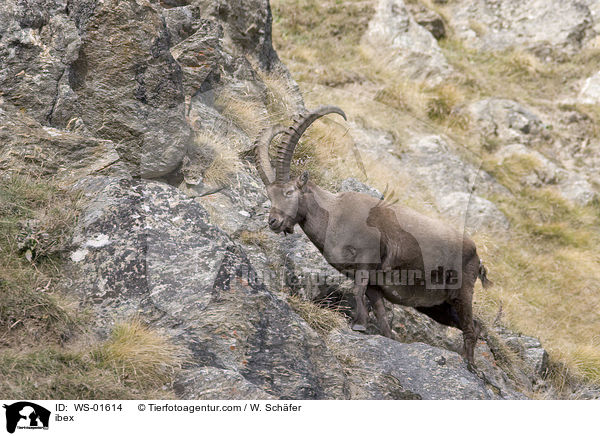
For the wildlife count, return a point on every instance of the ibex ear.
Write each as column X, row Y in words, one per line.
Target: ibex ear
column 301, row 181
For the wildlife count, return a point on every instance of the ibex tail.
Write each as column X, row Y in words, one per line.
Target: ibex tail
column 483, row 276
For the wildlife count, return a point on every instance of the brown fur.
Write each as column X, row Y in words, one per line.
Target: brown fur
column 366, row 239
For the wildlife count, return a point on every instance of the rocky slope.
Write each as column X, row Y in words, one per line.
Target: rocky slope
column 147, row 106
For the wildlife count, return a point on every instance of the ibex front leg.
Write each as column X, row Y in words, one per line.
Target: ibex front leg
column 360, row 318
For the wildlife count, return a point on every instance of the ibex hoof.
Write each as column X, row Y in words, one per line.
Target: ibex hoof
column 359, row 328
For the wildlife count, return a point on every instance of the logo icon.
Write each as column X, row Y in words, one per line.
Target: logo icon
column 26, row 415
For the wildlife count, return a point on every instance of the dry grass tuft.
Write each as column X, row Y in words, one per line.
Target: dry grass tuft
column 258, row 238
column 322, row 320
column 134, row 363
column 247, row 112
column 140, row 355
column 36, row 221
column 220, row 157
column 281, row 101
column 444, row 105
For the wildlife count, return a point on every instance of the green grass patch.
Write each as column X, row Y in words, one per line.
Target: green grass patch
column 119, row 368
column 36, row 220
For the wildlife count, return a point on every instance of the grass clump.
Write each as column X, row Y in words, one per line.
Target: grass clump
column 139, row 355
column 245, row 110
column 116, row 369
column 218, row 156
column 321, row 319
column 258, row 238
column 36, row 220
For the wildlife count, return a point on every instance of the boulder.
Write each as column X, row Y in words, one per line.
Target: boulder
column 571, row 184
column 381, row 368
column 409, row 325
column 429, row 19
column 472, row 211
column 352, row 185
column 456, row 185
column 530, row 350
column 538, row 25
column 143, row 248
column 394, row 37
column 505, row 120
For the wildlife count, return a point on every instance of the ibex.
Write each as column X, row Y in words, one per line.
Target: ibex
column 390, row 251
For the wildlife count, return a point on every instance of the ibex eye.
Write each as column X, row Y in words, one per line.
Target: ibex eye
column 288, row 193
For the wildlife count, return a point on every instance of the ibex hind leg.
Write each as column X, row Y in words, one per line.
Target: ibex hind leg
column 360, row 319
column 463, row 305
column 375, row 297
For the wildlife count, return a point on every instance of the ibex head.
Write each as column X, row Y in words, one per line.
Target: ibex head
column 285, row 194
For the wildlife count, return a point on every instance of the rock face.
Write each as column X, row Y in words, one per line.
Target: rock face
column 107, row 63
column 395, row 37
column 413, row 371
column 505, row 120
column 536, row 25
column 124, row 69
column 47, row 151
column 145, row 248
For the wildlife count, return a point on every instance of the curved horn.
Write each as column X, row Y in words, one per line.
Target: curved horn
column 285, row 151
column 261, row 153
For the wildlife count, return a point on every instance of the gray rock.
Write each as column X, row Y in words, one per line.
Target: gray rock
column 144, row 248
column 210, row 383
column 200, row 56
column 530, row 350
column 410, row 326
column 380, row 368
column 49, row 152
column 430, row 20
column 473, row 211
column 247, row 26
column 37, row 43
column 538, row 25
column 133, row 95
column 352, row 185
column 590, row 91
column 61, row 63
column 396, row 39
column 456, row 185
column 506, row 120
column 180, row 22
column 570, row 184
